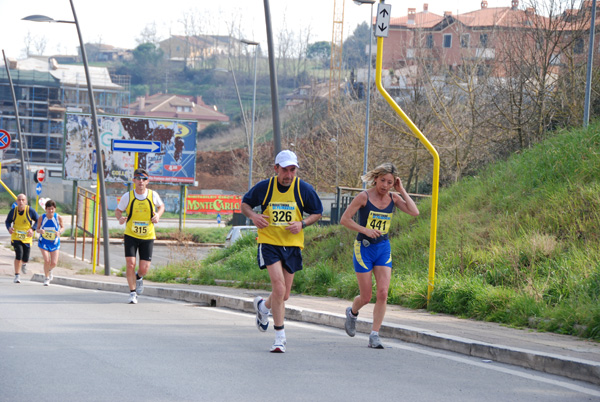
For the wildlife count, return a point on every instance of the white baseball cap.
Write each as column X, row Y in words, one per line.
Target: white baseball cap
column 286, row 158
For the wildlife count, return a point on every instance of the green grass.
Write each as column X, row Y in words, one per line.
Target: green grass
column 519, row 244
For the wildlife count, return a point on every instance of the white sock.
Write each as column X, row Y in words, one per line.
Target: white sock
column 375, row 333
column 280, row 334
column 263, row 308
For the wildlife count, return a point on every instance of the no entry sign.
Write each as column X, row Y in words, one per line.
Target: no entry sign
column 40, row 175
column 4, row 139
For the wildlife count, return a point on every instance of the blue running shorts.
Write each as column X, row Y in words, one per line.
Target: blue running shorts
column 367, row 257
column 290, row 257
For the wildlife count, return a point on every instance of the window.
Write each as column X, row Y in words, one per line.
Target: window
column 483, row 40
column 448, row 40
column 578, row 47
column 465, row 40
column 429, row 41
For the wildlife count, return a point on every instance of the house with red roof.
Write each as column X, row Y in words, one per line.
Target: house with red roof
column 177, row 107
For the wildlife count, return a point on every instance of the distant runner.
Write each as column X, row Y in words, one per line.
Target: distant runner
column 50, row 227
column 21, row 222
column 143, row 208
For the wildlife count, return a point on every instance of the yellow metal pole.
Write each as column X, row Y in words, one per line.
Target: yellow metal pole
column 96, row 220
column 136, row 161
column 4, row 185
column 436, row 165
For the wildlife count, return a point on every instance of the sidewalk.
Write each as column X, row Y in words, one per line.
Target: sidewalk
column 562, row 355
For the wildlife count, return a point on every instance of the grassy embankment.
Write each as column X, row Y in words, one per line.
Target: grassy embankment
column 519, row 244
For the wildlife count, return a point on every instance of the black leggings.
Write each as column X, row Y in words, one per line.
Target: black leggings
column 21, row 250
column 133, row 245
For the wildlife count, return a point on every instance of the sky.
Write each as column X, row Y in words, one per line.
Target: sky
column 120, row 22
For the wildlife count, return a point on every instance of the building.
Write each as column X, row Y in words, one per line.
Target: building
column 196, row 49
column 475, row 39
column 177, row 107
column 45, row 91
column 99, row 52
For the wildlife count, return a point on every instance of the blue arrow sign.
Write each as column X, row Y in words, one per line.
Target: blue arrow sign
column 38, row 189
column 136, row 146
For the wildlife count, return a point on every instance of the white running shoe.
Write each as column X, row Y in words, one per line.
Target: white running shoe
column 133, row 298
column 375, row 342
column 17, row 278
column 139, row 286
column 262, row 320
column 46, row 281
column 278, row 346
column 51, row 276
column 350, row 324
column 24, row 268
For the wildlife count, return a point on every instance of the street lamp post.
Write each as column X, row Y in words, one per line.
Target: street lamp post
column 590, row 62
column 99, row 162
column 251, row 148
column 18, row 121
column 366, row 155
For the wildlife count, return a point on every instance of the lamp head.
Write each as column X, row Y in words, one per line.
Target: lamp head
column 38, row 18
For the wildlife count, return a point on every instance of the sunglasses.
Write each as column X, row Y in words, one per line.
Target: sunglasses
column 141, row 178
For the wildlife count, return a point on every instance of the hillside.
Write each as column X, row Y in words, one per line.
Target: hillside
column 518, row 244
column 216, row 170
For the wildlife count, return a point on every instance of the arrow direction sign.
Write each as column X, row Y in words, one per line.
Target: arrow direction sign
column 136, row 146
column 382, row 27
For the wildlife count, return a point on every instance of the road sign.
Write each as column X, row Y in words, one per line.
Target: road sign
column 40, row 175
column 38, row 188
column 382, row 26
column 136, row 146
column 4, row 139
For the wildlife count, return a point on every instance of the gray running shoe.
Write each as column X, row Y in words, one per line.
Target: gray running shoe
column 17, row 278
column 132, row 298
column 262, row 320
column 24, row 268
column 139, row 286
column 46, row 281
column 278, row 346
column 350, row 322
column 375, row 342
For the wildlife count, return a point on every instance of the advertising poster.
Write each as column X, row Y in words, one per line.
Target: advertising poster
column 174, row 164
column 213, row 204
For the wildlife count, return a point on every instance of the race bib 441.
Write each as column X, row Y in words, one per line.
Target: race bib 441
column 379, row 221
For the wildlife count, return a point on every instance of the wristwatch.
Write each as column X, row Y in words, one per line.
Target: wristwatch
column 303, row 224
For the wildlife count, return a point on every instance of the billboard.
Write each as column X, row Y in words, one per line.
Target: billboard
column 213, row 204
column 175, row 164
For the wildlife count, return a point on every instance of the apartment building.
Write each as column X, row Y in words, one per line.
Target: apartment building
column 45, row 91
column 450, row 42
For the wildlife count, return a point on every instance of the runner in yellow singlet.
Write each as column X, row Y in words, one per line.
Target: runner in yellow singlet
column 142, row 208
column 21, row 222
column 283, row 200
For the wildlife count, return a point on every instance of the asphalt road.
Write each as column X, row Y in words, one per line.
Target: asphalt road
column 70, row 344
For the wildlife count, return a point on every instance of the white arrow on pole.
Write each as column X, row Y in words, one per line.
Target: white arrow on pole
column 136, row 146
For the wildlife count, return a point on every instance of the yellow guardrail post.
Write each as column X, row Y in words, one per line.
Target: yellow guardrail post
column 436, row 164
column 5, row 186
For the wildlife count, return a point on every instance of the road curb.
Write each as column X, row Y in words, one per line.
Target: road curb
column 576, row 369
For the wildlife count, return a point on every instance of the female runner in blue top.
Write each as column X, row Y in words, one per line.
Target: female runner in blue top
column 372, row 251
column 50, row 226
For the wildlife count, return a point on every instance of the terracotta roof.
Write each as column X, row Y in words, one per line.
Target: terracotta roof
column 165, row 105
column 423, row 19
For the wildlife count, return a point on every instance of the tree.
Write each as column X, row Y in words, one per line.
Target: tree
column 320, row 51
column 355, row 47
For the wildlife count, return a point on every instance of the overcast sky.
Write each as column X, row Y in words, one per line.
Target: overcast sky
column 120, row 22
